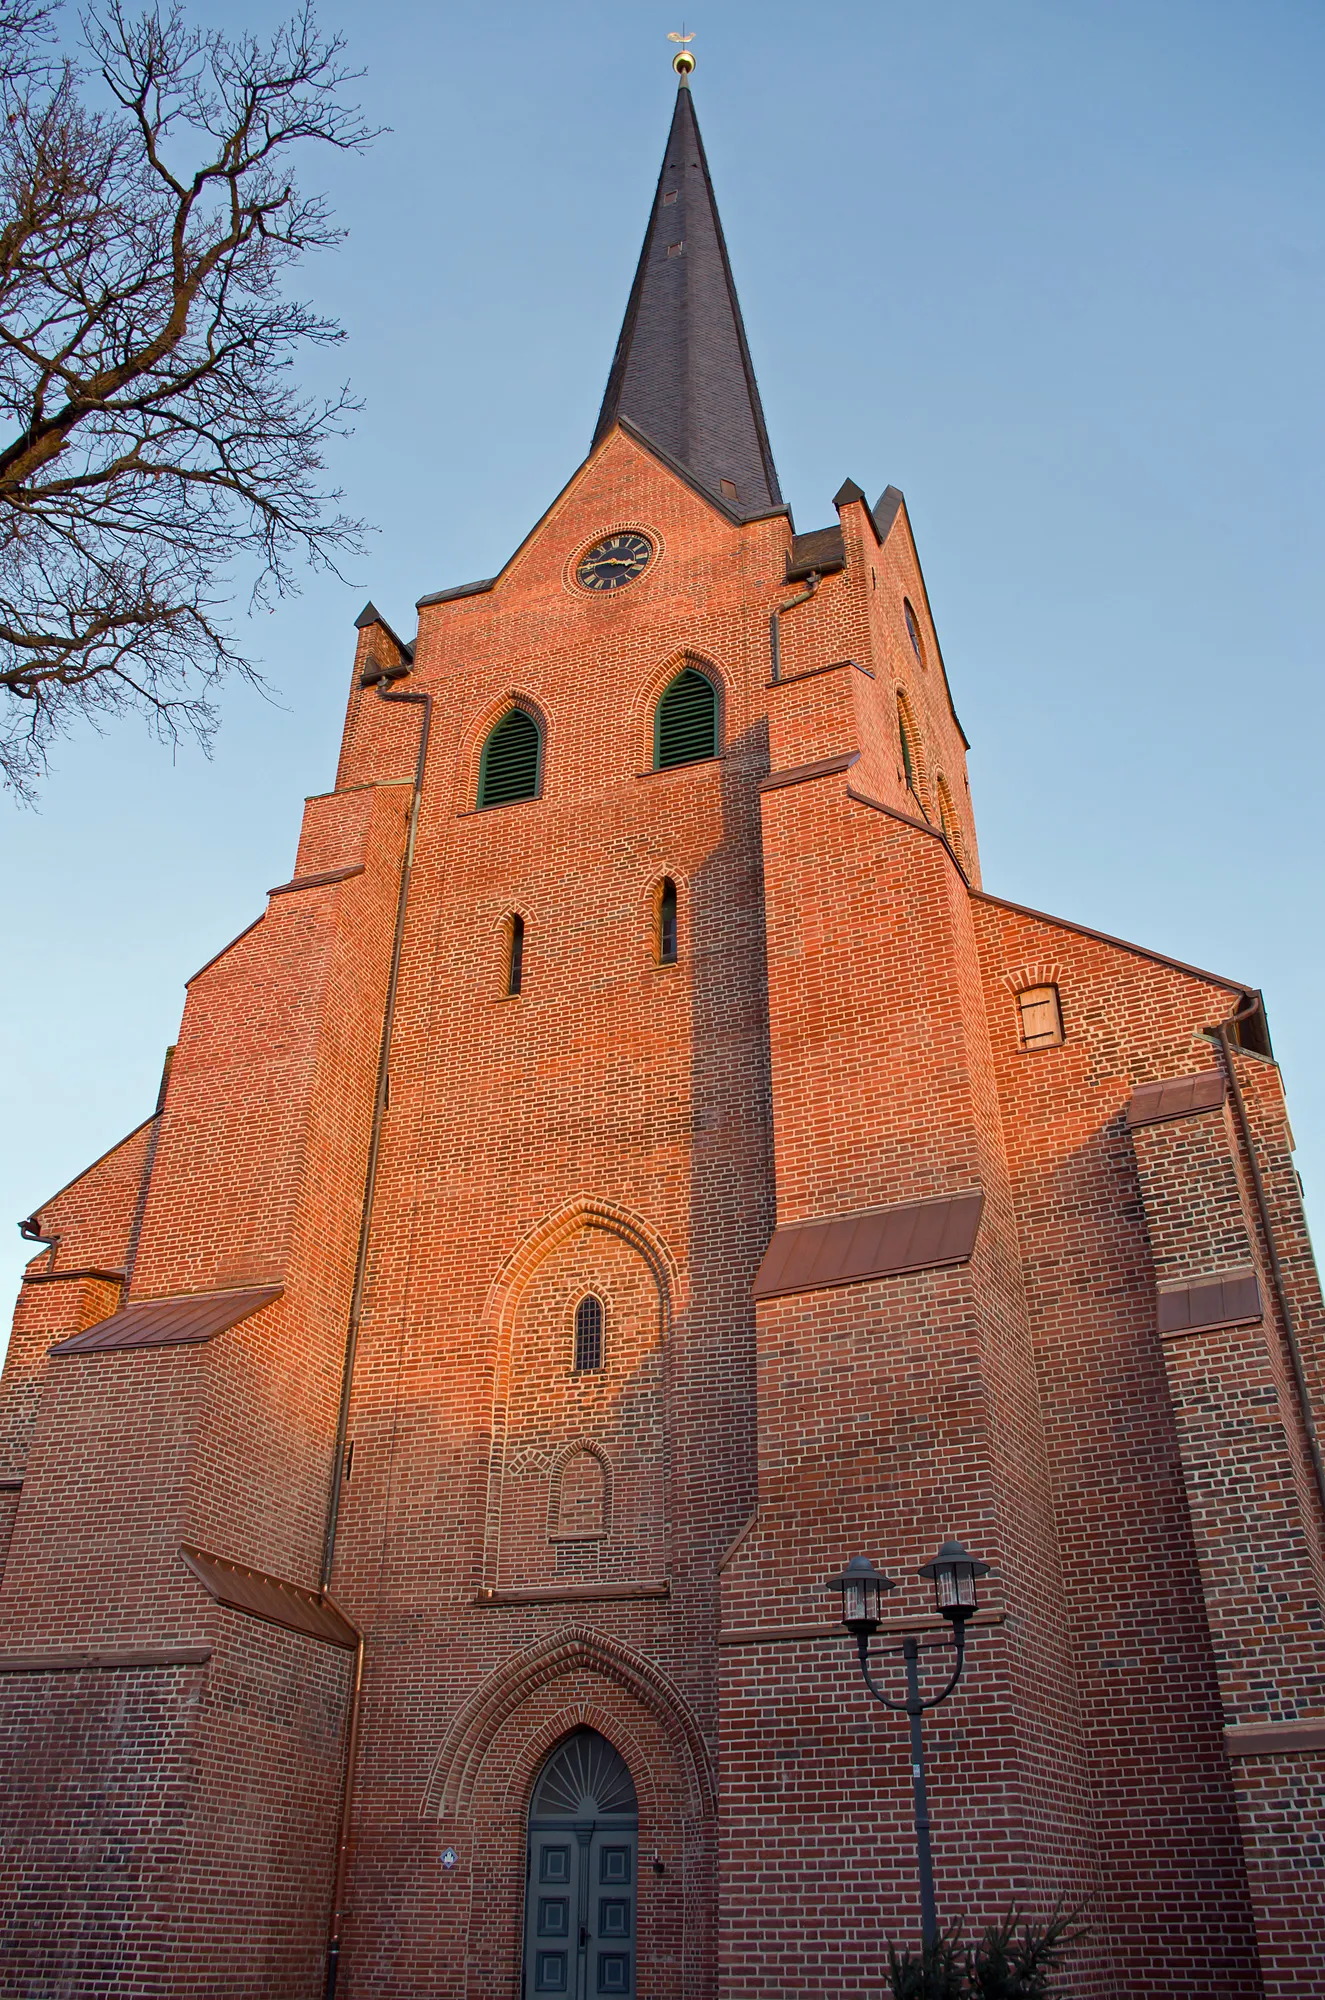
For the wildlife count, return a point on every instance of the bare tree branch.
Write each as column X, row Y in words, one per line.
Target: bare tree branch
column 152, row 437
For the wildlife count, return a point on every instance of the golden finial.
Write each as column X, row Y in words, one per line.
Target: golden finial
column 682, row 62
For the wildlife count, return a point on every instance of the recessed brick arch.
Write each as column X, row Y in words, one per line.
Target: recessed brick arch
column 575, row 1649
column 477, row 732
column 652, row 691
column 659, row 1275
column 583, row 1211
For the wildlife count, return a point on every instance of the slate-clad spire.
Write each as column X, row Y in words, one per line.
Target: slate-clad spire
column 682, row 373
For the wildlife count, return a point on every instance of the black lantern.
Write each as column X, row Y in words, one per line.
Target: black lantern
column 953, row 1573
column 861, row 1587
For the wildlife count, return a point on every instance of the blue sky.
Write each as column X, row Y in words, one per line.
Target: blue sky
column 1057, row 271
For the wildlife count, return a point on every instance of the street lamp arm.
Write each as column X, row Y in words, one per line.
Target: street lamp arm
column 909, row 1705
column 863, row 1648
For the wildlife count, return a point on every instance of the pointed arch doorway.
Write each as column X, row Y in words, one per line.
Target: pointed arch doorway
column 579, row 1937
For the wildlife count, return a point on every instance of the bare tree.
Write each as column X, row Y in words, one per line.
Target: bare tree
column 153, row 439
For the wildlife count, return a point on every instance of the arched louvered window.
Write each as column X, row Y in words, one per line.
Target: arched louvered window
column 511, row 766
column 515, row 956
column 686, row 727
column 588, row 1334
column 909, row 763
column 667, row 923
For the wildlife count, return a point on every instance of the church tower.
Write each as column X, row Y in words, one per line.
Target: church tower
column 629, row 1168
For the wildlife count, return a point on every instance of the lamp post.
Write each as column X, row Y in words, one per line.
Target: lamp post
column 953, row 1573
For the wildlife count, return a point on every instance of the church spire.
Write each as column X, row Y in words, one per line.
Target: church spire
column 681, row 373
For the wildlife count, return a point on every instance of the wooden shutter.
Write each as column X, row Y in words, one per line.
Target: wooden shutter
column 1041, row 1018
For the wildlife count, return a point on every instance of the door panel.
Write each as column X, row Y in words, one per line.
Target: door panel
column 580, row 1911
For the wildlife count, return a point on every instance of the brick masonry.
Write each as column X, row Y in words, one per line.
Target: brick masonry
column 643, row 1550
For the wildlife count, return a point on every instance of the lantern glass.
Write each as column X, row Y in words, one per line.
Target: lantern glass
column 862, row 1588
column 954, row 1587
column 953, row 1573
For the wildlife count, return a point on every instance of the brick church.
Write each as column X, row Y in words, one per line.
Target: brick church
column 630, row 1167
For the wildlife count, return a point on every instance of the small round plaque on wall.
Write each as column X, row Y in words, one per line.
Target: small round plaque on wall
column 449, row 1857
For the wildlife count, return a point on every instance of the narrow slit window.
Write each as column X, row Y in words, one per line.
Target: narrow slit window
column 948, row 819
column 1040, row 1017
column 667, row 923
column 515, row 957
column 512, row 764
column 588, row 1334
column 913, row 630
column 686, row 726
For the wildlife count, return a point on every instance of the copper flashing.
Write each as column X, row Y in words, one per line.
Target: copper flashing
column 36, row 1236
column 271, row 1598
column 1120, row 944
column 802, row 774
column 920, row 825
column 370, row 616
column 483, row 584
column 1176, row 1097
column 870, row 1243
column 86, row 1271
column 174, row 1322
column 322, row 881
column 1273, row 1739
column 821, row 552
column 217, row 956
column 104, row 1656
column 1234, row 1300
column 572, row 1593
column 809, row 673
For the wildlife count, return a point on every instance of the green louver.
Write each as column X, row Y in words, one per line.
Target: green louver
column 509, row 770
column 687, row 726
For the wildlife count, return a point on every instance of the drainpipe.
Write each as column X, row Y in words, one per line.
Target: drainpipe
column 774, row 635
column 1220, row 1033
column 343, row 1832
column 423, row 701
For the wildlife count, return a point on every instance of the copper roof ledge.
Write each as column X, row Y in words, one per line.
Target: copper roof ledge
column 173, row 1322
column 870, row 1243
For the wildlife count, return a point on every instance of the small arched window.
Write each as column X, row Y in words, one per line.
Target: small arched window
column 913, row 630
column 686, row 725
column 588, row 1334
column 511, row 767
column 667, row 923
column 515, row 955
column 910, row 762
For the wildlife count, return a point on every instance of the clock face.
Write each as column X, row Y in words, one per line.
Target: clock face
column 620, row 559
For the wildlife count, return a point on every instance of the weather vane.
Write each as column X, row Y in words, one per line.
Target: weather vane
column 682, row 62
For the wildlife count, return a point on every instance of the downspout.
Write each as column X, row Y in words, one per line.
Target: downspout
column 1220, row 1034
column 774, row 634
column 423, row 701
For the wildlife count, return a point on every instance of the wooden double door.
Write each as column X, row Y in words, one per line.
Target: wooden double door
column 580, row 1897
